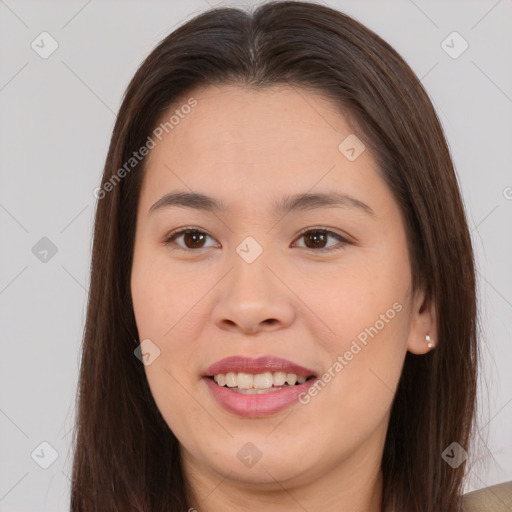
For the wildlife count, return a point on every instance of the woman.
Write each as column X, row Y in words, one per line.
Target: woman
column 282, row 304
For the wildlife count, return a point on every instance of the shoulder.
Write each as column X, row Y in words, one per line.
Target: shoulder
column 497, row 498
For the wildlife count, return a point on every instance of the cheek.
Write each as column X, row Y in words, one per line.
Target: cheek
column 355, row 393
column 366, row 308
column 362, row 299
column 165, row 312
column 158, row 310
column 164, row 307
column 162, row 296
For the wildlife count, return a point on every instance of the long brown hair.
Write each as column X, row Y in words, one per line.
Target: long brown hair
column 126, row 457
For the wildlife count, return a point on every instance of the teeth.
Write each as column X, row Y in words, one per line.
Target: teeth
column 262, row 381
column 291, row 379
column 248, row 383
column 279, row 378
column 245, row 380
column 231, row 380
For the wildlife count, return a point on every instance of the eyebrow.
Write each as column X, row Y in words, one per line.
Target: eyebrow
column 304, row 201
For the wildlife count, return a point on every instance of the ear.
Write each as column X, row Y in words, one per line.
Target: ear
column 423, row 323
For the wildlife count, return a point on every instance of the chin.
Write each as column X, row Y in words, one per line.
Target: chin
column 263, row 464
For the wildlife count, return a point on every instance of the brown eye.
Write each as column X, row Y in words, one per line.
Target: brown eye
column 191, row 239
column 315, row 239
column 318, row 239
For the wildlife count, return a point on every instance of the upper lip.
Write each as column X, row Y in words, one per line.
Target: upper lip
column 260, row 364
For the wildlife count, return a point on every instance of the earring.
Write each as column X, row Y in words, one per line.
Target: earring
column 430, row 344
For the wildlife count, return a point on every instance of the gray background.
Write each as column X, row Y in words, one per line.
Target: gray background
column 57, row 116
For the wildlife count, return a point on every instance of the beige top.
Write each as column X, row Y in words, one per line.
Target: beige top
column 497, row 498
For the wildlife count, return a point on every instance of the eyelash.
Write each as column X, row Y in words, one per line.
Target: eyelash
column 191, row 229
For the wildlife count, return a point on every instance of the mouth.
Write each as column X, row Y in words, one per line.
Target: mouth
column 257, row 387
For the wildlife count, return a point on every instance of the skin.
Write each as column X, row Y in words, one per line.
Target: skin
column 247, row 148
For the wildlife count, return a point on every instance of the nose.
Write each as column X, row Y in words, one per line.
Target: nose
column 253, row 298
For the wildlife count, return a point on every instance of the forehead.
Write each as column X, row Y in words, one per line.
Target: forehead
column 236, row 122
column 251, row 141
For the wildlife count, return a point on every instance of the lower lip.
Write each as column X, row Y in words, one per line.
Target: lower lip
column 258, row 405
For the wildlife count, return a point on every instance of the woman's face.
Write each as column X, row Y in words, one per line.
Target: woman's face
column 303, row 273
